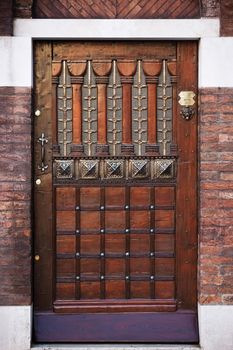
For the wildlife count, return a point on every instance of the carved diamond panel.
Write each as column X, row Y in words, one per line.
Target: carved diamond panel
column 113, row 169
column 139, row 168
column 64, row 169
column 164, row 168
column 89, row 169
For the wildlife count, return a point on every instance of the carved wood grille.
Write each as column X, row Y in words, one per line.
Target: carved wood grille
column 115, row 147
column 110, row 111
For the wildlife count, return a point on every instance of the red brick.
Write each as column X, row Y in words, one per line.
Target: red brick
column 210, row 8
column 15, row 196
column 216, row 196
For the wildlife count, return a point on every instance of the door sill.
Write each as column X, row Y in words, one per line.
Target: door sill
column 114, row 347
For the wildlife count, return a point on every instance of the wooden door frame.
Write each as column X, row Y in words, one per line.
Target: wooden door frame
column 187, row 131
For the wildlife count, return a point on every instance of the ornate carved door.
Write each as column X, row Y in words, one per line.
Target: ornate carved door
column 115, row 192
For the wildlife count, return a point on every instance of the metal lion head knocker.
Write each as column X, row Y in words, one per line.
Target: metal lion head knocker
column 187, row 101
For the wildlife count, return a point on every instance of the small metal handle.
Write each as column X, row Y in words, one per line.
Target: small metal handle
column 42, row 140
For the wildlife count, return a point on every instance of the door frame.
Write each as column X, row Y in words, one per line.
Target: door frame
column 27, row 30
column 185, row 129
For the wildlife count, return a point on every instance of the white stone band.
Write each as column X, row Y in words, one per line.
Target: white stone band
column 215, row 53
column 117, row 28
column 16, row 61
column 215, row 62
column 216, row 327
column 15, row 327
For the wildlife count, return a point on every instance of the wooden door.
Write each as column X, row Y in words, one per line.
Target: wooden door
column 115, row 192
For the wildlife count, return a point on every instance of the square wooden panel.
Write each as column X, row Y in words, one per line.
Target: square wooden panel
column 165, row 243
column 90, row 197
column 90, row 220
column 164, row 196
column 140, row 266
column 164, row 219
column 65, row 220
column 115, row 266
column 90, row 267
column 140, row 196
column 66, row 244
column 139, row 219
column 114, row 197
column 90, row 290
column 115, row 289
column 164, row 289
column 140, row 289
column 65, row 291
column 65, row 198
column 139, row 243
column 90, row 244
column 114, row 243
column 164, row 267
column 115, row 220
column 66, row 267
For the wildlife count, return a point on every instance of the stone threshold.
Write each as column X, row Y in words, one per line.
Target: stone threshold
column 115, row 347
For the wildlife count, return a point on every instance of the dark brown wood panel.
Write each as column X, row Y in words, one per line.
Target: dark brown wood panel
column 115, row 247
column 186, row 204
column 117, row 9
column 113, row 49
column 43, row 198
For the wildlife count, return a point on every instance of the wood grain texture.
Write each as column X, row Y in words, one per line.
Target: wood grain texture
column 43, row 224
column 109, row 50
column 117, row 9
column 186, row 195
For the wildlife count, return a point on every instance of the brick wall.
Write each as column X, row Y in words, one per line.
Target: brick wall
column 216, row 196
column 15, row 196
column 23, row 8
column 6, row 17
column 210, row 8
column 226, row 17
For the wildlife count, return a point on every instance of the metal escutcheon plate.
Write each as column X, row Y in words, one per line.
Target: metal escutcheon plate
column 187, row 98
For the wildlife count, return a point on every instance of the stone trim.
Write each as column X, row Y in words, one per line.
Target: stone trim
column 16, row 61
column 173, row 29
column 215, row 62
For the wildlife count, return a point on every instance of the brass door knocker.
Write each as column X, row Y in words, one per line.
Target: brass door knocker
column 187, row 101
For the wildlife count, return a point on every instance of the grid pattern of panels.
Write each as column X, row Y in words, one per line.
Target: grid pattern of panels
column 115, row 242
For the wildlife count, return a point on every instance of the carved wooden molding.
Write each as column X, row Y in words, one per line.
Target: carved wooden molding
column 116, row 9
